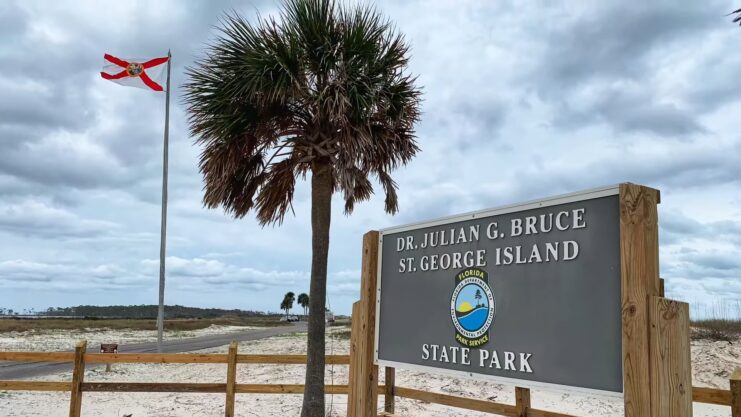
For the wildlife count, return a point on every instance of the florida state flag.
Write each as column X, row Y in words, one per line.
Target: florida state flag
column 149, row 74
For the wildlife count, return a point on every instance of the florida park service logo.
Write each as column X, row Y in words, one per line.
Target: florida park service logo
column 472, row 307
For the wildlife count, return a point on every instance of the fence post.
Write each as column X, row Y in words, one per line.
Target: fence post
column 736, row 393
column 231, row 379
column 78, row 376
column 522, row 401
column 388, row 398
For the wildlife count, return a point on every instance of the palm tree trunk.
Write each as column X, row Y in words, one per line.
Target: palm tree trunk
column 321, row 211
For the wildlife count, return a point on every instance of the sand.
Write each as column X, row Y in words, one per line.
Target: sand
column 712, row 363
column 60, row 340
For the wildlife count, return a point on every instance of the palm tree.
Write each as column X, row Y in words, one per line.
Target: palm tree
column 284, row 307
column 321, row 89
column 737, row 19
column 287, row 303
column 303, row 301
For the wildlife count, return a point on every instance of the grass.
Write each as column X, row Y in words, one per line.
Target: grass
column 21, row 325
column 718, row 320
column 343, row 334
column 726, row 330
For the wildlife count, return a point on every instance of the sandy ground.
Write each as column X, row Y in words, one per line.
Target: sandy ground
column 712, row 363
column 59, row 340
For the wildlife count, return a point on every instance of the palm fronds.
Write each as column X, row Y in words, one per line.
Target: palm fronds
column 321, row 84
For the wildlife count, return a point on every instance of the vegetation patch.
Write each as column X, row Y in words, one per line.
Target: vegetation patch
column 725, row 330
column 343, row 334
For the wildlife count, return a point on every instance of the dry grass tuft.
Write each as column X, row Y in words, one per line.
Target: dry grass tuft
column 724, row 330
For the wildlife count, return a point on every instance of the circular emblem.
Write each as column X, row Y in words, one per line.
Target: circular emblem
column 472, row 307
column 134, row 69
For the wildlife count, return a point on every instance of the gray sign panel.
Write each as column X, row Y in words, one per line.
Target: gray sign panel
column 527, row 294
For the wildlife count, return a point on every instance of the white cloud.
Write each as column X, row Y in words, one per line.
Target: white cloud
column 36, row 218
column 196, row 267
column 19, row 274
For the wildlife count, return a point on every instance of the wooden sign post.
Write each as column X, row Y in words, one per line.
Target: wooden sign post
column 655, row 331
column 657, row 375
column 363, row 394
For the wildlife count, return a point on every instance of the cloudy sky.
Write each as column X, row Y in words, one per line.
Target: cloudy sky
column 521, row 101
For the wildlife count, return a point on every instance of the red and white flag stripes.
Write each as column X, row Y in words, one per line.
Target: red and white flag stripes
column 149, row 74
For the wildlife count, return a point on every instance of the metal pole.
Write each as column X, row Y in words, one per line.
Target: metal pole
column 163, row 230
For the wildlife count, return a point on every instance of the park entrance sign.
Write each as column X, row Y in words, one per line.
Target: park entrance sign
column 528, row 294
column 561, row 292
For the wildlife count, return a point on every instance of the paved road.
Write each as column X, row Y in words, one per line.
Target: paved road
column 20, row 370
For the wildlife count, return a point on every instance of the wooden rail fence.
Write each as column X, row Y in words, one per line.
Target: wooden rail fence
column 230, row 388
column 80, row 359
column 522, row 407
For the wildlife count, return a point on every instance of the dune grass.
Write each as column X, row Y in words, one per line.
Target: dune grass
column 719, row 320
column 727, row 330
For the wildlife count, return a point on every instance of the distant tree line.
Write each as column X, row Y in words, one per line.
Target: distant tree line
column 146, row 312
column 10, row 312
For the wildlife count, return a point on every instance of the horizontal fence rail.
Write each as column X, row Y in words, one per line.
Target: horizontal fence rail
column 699, row 395
column 457, row 401
column 711, row 396
column 176, row 387
column 207, row 358
column 77, row 386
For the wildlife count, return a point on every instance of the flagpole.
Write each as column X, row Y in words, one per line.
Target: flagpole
column 163, row 230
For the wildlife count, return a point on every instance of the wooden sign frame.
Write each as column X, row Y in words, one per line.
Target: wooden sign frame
column 657, row 374
column 657, row 377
